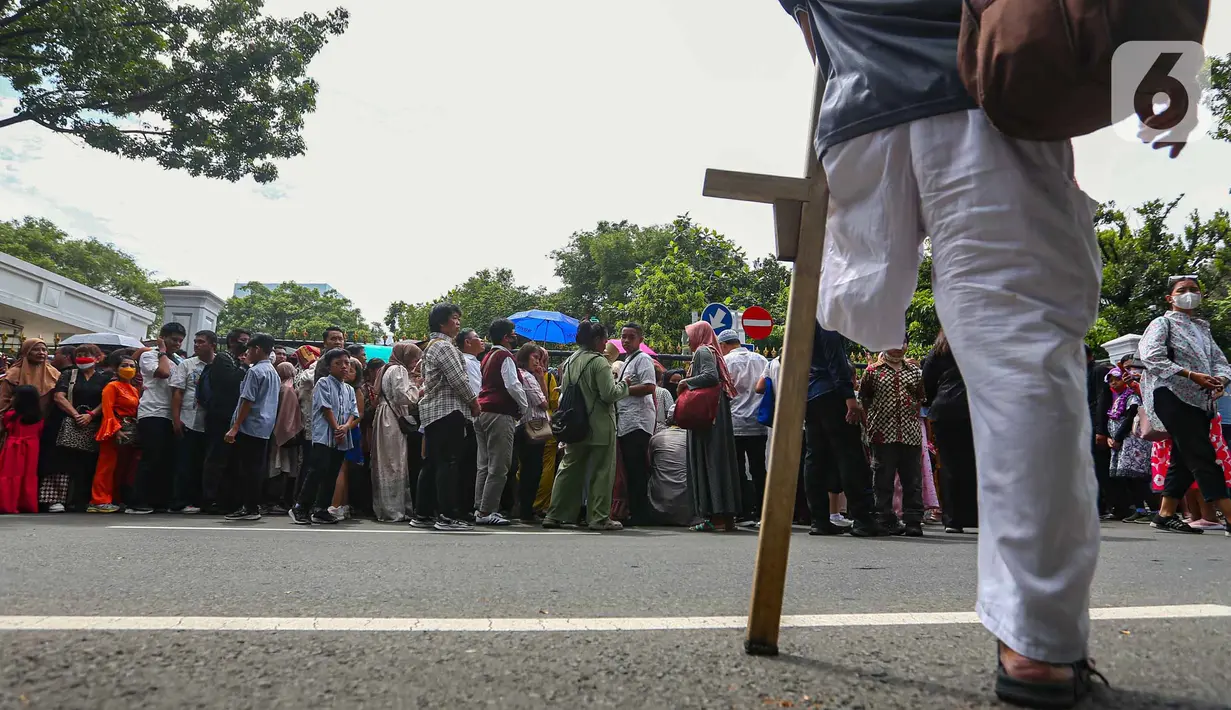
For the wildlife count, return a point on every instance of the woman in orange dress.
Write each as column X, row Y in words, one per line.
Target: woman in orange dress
column 115, row 459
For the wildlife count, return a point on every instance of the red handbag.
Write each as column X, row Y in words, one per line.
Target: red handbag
column 697, row 409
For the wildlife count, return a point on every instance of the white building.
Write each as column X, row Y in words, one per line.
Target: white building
column 194, row 308
column 36, row 303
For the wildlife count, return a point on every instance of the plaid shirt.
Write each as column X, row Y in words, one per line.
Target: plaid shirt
column 446, row 389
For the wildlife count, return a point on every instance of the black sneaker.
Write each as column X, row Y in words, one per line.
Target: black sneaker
column 868, row 528
column 913, row 530
column 422, row 523
column 447, row 524
column 323, row 517
column 824, row 527
column 300, row 516
column 243, row 514
column 894, row 528
column 1174, row 523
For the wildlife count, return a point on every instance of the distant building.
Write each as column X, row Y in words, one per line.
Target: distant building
column 242, row 289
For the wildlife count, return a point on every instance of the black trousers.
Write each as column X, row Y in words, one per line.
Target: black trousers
column 529, row 471
column 445, row 440
column 635, row 453
column 1192, row 454
column 1102, row 474
column 831, row 439
column 189, row 465
column 904, row 462
column 467, row 465
column 219, row 474
column 253, row 456
column 157, row 466
column 959, row 493
column 321, row 476
column 751, row 471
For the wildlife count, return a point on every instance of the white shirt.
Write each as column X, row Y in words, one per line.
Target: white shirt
column 474, row 372
column 637, row 413
column 185, row 376
column 156, row 397
column 664, row 403
column 746, row 367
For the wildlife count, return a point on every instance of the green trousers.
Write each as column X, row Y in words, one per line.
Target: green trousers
column 582, row 462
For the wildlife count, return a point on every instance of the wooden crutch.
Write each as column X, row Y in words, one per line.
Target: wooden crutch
column 800, row 209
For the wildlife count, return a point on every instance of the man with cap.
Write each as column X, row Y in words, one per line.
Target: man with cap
column 751, row 436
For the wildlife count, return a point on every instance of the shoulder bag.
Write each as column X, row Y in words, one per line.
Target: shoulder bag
column 697, row 409
column 72, row 436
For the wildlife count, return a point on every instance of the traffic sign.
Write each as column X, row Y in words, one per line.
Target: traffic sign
column 758, row 323
column 718, row 316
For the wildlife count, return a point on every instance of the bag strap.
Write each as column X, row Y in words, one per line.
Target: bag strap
column 72, row 384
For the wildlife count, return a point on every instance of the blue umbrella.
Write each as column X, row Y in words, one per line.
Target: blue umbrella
column 545, row 326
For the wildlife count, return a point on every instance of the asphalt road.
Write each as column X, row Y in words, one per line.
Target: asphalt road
column 83, row 566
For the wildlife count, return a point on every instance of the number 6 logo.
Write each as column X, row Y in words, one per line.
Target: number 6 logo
column 1155, row 93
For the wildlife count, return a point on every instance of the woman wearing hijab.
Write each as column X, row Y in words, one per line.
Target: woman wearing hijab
column 285, row 453
column 397, row 407
column 891, row 392
column 713, row 474
column 117, row 458
column 30, row 368
column 1130, row 454
column 592, row 460
column 551, row 388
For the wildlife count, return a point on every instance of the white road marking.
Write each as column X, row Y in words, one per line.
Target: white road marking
column 667, row 623
column 241, row 527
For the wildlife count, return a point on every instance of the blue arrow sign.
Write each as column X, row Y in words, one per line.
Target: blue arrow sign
column 718, row 316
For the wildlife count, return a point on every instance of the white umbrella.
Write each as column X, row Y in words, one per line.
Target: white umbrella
column 104, row 339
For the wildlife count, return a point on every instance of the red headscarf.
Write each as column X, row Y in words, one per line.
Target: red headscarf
column 701, row 334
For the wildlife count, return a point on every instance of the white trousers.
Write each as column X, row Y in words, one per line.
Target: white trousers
column 1016, row 276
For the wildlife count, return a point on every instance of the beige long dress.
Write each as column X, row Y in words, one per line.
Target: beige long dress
column 390, row 467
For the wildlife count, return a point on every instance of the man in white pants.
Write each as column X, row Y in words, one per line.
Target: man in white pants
column 1016, row 276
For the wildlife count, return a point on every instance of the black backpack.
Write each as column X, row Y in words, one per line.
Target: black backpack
column 571, row 422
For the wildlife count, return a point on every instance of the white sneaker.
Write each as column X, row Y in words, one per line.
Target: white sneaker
column 55, row 508
column 837, row 519
column 1202, row 524
column 492, row 519
column 189, row 510
column 346, row 512
column 338, row 512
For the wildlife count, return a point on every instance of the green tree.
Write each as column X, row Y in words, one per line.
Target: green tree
column 212, row 87
column 293, row 312
column 407, row 321
column 489, row 295
column 91, row 262
column 1138, row 259
column 598, row 267
column 1218, row 96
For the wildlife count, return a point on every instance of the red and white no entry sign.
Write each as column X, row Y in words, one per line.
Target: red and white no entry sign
column 757, row 323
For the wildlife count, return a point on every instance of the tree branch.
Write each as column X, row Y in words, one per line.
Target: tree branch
column 122, row 25
column 25, row 10
column 19, row 118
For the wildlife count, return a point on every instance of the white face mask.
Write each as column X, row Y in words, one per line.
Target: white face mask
column 86, row 366
column 1187, row 301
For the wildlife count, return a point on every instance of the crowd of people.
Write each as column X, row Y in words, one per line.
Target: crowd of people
column 455, row 432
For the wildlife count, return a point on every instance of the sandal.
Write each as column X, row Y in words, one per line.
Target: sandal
column 704, row 526
column 1038, row 694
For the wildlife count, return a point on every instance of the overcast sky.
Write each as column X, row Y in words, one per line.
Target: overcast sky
column 451, row 137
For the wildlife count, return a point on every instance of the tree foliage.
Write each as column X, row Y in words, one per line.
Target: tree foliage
column 91, row 262
column 213, row 87
column 293, row 312
column 484, row 297
column 1138, row 259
